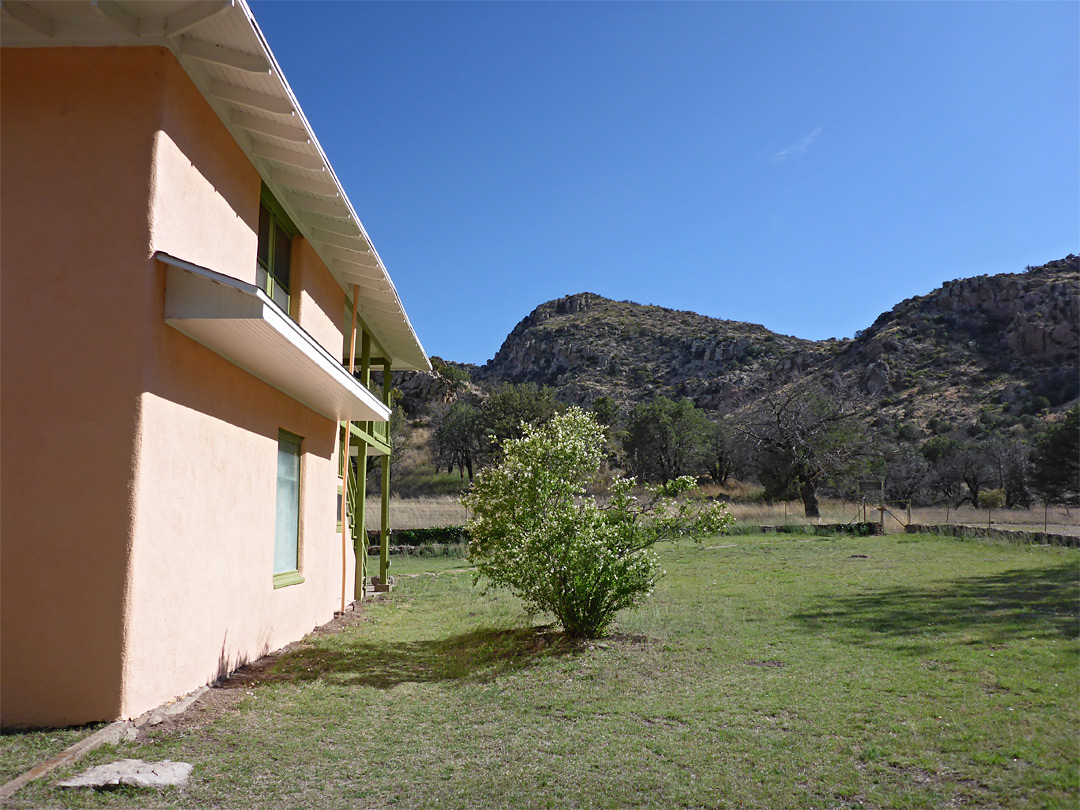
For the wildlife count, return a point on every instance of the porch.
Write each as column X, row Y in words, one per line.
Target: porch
column 360, row 440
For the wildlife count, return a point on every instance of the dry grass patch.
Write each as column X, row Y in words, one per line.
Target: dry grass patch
column 419, row 513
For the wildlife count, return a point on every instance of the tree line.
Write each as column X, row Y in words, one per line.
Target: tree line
column 797, row 442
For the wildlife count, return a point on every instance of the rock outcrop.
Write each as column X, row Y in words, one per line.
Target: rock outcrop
column 589, row 346
column 998, row 339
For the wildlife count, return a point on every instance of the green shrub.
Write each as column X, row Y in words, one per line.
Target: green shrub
column 535, row 531
column 436, row 534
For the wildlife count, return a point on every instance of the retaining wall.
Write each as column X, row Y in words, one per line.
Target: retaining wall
column 1035, row 538
column 857, row 529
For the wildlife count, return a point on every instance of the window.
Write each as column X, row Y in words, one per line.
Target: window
column 287, row 511
column 274, row 264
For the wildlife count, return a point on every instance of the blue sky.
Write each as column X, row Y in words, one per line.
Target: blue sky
column 805, row 166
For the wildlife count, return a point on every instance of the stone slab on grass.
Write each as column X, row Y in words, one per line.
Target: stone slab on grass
column 133, row 772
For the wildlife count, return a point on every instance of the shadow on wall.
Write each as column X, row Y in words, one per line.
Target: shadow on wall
column 1025, row 603
column 227, row 665
column 179, row 369
column 481, row 655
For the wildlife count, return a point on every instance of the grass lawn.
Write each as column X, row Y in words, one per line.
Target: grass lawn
column 22, row 750
column 410, row 565
column 766, row 671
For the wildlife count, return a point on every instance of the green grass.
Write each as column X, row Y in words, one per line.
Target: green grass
column 22, row 750
column 407, row 565
column 766, row 671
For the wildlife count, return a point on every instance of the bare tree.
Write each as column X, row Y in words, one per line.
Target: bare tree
column 976, row 469
column 801, row 435
column 722, row 450
column 1008, row 459
column 906, row 471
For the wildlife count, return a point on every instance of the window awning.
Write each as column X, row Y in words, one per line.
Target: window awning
column 238, row 321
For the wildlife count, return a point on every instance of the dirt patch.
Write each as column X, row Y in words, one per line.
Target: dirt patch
column 629, row 638
column 965, row 791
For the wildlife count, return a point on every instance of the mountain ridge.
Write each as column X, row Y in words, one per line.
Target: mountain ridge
column 1008, row 343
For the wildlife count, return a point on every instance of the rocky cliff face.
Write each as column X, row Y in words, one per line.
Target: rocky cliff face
column 587, row 346
column 1004, row 340
column 990, row 341
column 442, row 385
column 1032, row 316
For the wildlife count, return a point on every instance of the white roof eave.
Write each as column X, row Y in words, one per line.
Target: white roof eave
column 320, row 244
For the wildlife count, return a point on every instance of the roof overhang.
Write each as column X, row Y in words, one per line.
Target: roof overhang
column 239, row 322
column 220, row 46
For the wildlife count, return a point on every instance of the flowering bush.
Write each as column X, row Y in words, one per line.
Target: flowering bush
column 535, row 531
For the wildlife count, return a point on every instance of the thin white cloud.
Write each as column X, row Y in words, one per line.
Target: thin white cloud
column 797, row 148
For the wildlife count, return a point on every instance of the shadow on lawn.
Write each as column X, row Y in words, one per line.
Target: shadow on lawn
column 1039, row 602
column 479, row 656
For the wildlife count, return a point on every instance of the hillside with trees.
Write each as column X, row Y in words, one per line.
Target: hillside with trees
column 946, row 396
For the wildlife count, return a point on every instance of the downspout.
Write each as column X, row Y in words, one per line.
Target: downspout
column 345, row 450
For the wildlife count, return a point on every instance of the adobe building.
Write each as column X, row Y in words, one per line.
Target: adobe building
column 182, row 274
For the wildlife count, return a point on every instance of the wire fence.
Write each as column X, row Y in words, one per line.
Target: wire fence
column 422, row 513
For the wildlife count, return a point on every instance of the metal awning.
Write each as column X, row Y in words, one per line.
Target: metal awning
column 238, row 321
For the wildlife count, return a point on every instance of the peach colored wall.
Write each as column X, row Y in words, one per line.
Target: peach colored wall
column 322, row 301
column 202, row 597
column 77, row 133
column 205, row 204
column 139, row 468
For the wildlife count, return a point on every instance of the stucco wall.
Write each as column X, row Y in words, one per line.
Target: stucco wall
column 202, row 597
column 322, row 301
column 77, row 133
column 138, row 467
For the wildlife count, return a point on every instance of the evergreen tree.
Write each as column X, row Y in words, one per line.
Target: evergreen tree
column 665, row 439
column 511, row 405
column 1056, row 462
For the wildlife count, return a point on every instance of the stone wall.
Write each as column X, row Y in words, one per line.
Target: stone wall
column 1034, row 538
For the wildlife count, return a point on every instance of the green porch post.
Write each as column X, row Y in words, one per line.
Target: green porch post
column 384, row 533
column 360, row 540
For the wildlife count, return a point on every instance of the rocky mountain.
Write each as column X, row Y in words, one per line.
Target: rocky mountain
column 1008, row 343
column 976, row 348
column 588, row 346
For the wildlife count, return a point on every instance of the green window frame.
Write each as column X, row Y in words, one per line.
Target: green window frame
column 273, row 264
column 287, row 510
